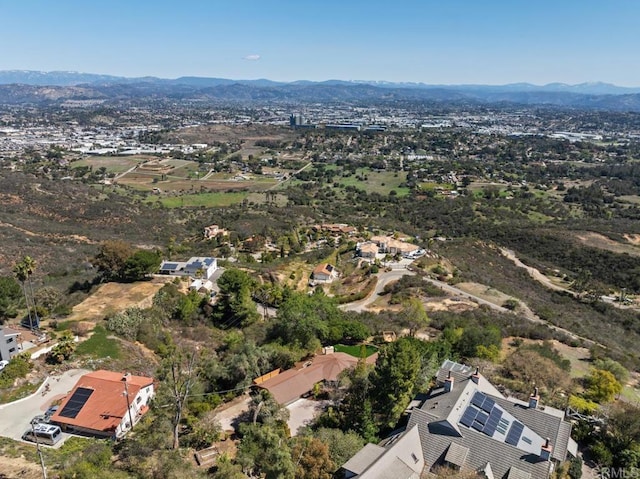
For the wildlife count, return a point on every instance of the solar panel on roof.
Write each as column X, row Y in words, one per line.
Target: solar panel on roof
column 477, row 426
column 478, row 399
column 467, row 419
column 482, row 417
column 514, row 433
column 469, row 415
column 493, row 421
column 489, row 429
column 76, row 402
column 488, row 404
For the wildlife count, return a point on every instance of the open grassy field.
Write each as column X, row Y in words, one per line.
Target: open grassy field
column 99, row 345
column 382, row 182
column 208, row 199
column 113, row 164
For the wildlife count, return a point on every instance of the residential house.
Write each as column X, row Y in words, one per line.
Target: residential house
column 367, row 250
column 105, row 403
column 324, row 273
column 466, row 423
column 213, row 231
column 197, row 267
column 400, row 458
column 291, row 384
column 337, row 229
column 390, row 245
column 9, row 343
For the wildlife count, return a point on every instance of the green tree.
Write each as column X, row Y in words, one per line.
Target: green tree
column 10, row 294
column 112, row 258
column 342, row 445
column 140, row 264
column 602, row 386
column 264, row 450
column 413, row 315
column 303, row 320
column 20, row 272
column 312, row 457
column 356, row 412
column 235, row 307
column 395, row 375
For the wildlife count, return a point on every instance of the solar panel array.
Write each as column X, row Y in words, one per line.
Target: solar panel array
column 482, row 415
column 76, row 402
column 514, row 433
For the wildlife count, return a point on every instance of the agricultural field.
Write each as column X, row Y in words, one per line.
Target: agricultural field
column 113, row 164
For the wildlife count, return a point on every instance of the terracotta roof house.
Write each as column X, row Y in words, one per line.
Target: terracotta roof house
column 324, row 273
column 212, row 231
column 291, row 384
column 367, row 250
column 104, row 403
column 465, row 423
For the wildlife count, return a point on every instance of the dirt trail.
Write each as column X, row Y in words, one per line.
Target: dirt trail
column 534, row 273
column 76, row 238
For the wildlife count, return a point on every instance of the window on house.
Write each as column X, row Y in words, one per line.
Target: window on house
column 9, row 341
column 12, row 350
column 414, row 457
column 138, row 399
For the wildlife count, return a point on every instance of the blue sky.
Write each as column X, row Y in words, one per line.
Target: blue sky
column 444, row 41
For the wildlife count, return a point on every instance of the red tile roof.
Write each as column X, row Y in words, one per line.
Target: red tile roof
column 293, row 383
column 107, row 405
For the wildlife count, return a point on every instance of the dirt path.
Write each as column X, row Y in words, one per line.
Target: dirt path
column 545, row 281
column 76, row 238
column 534, row 273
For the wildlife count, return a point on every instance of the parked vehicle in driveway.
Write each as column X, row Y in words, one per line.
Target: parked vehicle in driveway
column 3, row 364
column 51, row 411
column 43, row 434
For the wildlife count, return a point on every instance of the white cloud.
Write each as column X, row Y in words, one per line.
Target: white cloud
column 252, row 58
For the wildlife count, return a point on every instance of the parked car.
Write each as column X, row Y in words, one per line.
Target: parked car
column 51, row 411
column 3, row 364
column 43, row 434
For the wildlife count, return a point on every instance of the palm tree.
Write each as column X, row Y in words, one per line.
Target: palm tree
column 30, row 267
column 20, row 272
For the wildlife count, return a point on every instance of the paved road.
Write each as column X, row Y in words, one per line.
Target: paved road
column 16, row 416
column 384, row 279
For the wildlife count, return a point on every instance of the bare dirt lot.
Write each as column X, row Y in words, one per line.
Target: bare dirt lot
column 114, row 297
column 596, row 240
column 18, row 468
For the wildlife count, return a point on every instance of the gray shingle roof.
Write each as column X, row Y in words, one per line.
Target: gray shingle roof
column 456, row 454
column 439, row 442
column 515, row 473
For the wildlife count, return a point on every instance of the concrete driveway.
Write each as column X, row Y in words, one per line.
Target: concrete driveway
column 15, row 417
column 302, row 412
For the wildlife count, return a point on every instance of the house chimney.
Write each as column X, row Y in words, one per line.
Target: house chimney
column 546, row 450
column 448, row 383
column 534, row 399
column 475, row 377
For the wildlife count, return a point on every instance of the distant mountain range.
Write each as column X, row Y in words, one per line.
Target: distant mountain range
column 24, row 86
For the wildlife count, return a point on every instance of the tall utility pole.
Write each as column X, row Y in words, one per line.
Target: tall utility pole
column 35, row 436
column 126, row 394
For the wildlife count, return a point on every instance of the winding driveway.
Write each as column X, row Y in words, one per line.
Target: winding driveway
column 15, row 416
